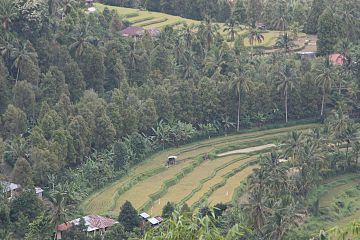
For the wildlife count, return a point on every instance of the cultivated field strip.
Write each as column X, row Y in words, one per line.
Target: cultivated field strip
column 110, row 198
column 224, row 194
column 187, row 184
column 218, row 178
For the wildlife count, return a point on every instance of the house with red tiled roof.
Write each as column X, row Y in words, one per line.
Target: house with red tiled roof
column 94, row 223
column 337, row 59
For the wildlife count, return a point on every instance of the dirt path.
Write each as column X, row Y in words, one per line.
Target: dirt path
column 247, row 150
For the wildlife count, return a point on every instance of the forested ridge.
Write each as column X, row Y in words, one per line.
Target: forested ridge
column 80, row 104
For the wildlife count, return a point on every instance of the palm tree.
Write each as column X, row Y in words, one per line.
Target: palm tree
column 286, row 81
column 59, row 214
column 214, row 61
column 8, row 11
column 293, row 144
column 7, row 48
column 21, row 55
column 255, row 36
column 227, row 124
column 81, row 40
column 208, row 31
column 188, row 63
column 356, row 152
column 348, row 13
column 295, row 29
column 285, row 42
column 230, row 27
column 241, row 83
column 161, row 133
column 67, row 6
column 325, row 79
column 187, row 34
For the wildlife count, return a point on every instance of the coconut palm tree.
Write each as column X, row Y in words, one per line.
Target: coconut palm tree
column 348, row 13
column 325, row 79
column 20, row 55
column 8, row 11
column 355, row 148
column 285, row 81
column 255, row 36
column 230, row 26
column 227, row 124
column 81, row 40
column 187, row 34
column 293, row 144
column 208, row 31
column 285, row 42
column 240, row 81
column 59, row 214
column 214, row 61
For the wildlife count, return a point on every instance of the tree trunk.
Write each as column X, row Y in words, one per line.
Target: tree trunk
column 238, row 114
column 340, row 86
column 17, row 75
column 322, row 104
column 286, row 106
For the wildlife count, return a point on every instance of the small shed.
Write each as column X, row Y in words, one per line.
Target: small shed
column 144, row 215
column 9, row 189
column 154, row 221
column 89, row 3
column 306, row 55
column 39, row 192
column 171, row 160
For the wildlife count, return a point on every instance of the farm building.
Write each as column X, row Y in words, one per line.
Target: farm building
column 171, row 160
column 146, row 218
column 136, row 32
column 89, row 3
column 337, row 59
column 94, row 223
column 306, row 55
column 133, row 32
column 11, row 189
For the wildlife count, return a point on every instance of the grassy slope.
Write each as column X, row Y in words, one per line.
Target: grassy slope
column 108, row 200
column 343, row 189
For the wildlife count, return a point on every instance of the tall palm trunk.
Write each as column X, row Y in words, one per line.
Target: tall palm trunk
column 17, row 75
column 238, row 113
column 322, row 103
column 286, row 106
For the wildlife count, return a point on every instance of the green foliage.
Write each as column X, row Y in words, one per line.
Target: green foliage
column 128, row 217
column 327, row 32
column 168, row 209
column 26, row 205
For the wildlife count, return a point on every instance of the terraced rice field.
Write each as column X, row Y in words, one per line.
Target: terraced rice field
column 192, row 179
column 148, row 19
column 339, row 200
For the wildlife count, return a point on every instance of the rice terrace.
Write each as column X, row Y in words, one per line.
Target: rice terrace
column 193, row 180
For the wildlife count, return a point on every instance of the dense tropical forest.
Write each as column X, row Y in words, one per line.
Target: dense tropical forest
column 81, row 106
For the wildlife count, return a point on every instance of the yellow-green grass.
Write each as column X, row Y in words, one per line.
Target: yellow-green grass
column 219, row 177
column 341, row 186
column 139, row 194
column 270, row 37
column 225, row 193
column 103, row 200
column 184, row 187
column 122, row 11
